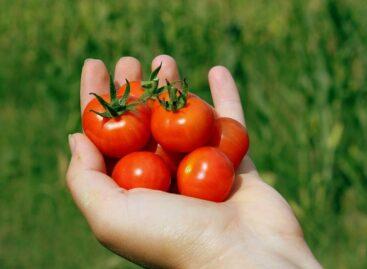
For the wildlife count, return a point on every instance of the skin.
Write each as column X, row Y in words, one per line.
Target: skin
column 206, row 173
column 142, row 169
column 254, row 228
column 231, row 138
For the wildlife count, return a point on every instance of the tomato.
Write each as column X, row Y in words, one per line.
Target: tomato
column 231, row 138
column 150, row 90
column 206, row 173
column 185, row 129
column 172, row 159
column 136, row 90
column 142, row 169
column 117, row 136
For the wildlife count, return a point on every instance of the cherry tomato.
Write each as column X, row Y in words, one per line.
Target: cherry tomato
column 136, row 90
column 183, row 130
column 172, row 159
column 142, row 169
column 116, row 137
column 206, row 173
column 231, row 138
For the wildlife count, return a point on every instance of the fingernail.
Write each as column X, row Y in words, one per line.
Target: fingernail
column 88, row 60
column 72, row 143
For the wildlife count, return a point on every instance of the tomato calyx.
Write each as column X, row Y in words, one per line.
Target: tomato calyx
column 117, row 106
column 176, row 98
column 151, row 86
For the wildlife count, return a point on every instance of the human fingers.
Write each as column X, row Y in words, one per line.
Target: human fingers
column 169, row 69
column 86, row 177
column 94, row 78
column 225, row 95
column 227, row 103
column 127, row 68
column 142, row 225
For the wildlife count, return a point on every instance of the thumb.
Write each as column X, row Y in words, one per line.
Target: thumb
column 145, row 226
column 95, row 193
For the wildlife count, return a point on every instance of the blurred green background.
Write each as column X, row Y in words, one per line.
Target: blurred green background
column 301, row 67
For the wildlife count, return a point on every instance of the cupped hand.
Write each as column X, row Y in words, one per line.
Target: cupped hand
column 254, row 228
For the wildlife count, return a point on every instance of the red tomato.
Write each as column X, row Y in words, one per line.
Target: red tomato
column 172, row 159
column 136, row 90
column 206, row 173
column 116, row 137
column 142, row 169
column 185, row 129
column 231, row 138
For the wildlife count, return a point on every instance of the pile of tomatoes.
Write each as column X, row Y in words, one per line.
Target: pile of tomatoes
column 165, row 138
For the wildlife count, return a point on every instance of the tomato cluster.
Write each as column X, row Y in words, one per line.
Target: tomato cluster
column 165, row 138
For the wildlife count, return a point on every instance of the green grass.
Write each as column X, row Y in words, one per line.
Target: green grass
column 301, row 67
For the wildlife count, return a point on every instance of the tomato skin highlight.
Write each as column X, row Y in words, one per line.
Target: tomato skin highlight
column 231, row 138
column 206, row 173
column 142, row 169
column 118, row 136
column 184, row 130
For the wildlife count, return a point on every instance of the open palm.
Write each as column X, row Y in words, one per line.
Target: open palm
column 254, row 228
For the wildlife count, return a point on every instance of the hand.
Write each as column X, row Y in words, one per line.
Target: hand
column 254, row 228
